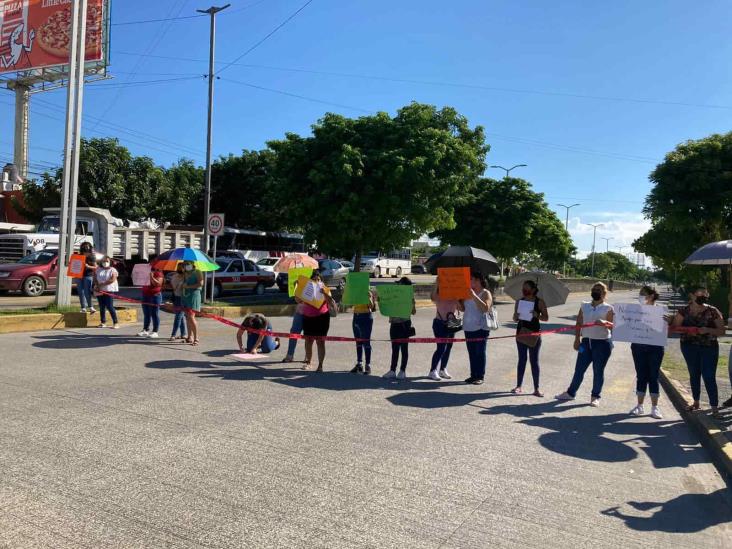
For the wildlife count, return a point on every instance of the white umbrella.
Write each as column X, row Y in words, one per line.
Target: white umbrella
column 551, row 289
column 715, row 253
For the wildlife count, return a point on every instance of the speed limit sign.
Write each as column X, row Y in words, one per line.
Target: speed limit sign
column 215, row 224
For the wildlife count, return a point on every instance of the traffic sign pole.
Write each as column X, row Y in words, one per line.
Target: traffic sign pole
column 213, row 273
column 214, row 227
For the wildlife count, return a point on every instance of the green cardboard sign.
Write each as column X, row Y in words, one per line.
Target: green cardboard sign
column 293, row 275
column 357, row 289
column 395, row 300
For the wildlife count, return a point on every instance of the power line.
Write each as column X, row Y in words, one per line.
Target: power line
column 95, row 86
column 123, row 23
column 272, row 32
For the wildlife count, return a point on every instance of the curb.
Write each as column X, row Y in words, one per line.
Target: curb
column 12, row 324
column 712, row 438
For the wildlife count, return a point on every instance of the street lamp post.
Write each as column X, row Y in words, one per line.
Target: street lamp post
column 566, row 228
column 594, row 238
column 508, row 170
column 607, row 242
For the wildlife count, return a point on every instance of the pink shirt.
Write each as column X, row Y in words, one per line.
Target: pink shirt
column 310, row 311
column 445, row 307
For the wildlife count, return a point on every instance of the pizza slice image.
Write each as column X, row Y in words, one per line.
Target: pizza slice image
column 54, row 36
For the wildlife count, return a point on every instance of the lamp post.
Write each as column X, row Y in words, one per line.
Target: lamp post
column 508, row 170
column 607, row 242
column 566, row 228
column 594, row 238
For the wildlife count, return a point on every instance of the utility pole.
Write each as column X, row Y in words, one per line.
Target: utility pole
column 607, row 242
column 594, row 237
column 22, row 113
column 70, row 182
column 566, row 228
column 508, row 170
column 212, row 11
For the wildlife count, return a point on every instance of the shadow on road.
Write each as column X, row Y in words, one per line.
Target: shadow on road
column 611, row 438
column 84, row 341
column 684, row 514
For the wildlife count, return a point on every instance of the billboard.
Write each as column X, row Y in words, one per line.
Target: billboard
column 36, row 34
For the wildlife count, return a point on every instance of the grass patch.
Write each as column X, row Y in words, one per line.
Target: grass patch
column 676, row 366
column 39, row 311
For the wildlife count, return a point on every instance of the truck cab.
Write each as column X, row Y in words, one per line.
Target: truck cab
column 14, row 247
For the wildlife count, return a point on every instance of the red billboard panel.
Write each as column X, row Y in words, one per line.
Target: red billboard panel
column 36, row 34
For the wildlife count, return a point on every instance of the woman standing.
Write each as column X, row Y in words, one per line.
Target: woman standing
column 152, row 299
column 700, row 347
column 362, row 325
column 446, row 309
column 85, row 283
column 593, row 344
column 295, row 328
column 256, row 343
column 193, row 282
column 475, row 324
column 529, row 312
column 177, row 281
column 316, row 323
column 401, row 329
column 647, row 360
column 105, row 280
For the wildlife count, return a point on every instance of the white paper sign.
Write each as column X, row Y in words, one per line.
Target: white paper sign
column 141, row 274
column 637, row 323
column 526, row 310
column 312, row 292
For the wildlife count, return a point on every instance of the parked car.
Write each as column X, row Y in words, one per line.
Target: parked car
column 418, row 268
column 333, row 273
column 240, row 274
column 347, row 264
column 268, row 263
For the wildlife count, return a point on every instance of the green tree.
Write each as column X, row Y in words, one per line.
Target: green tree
column 377, row 182
column 507, row 218
column 610, row 265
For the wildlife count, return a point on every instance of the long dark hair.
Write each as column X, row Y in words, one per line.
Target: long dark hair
column 651, row 292
column 477, row 275
column 534, row 288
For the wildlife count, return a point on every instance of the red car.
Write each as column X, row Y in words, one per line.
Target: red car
column 36, row 273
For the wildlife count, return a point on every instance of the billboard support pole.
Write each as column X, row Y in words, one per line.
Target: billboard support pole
column 69, row 184
column 20, row 141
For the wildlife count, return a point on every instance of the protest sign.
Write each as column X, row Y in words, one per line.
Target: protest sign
column 357, row 289
column 248, row 356
column 395, row 300
column 293, row 275
column 309, row 292
column 526, row 310
column 76, row 266
column 637, row 323
column 454, row 282
column 141, row 274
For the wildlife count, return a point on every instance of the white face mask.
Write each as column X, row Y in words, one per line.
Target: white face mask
column 105, row 264
column 188, row 267
column 642, row 300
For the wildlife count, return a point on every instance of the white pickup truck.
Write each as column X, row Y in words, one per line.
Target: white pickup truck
column 102, row 230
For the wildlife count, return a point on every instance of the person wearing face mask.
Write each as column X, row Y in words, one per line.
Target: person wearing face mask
column 179, row 321
column 529, row 345
column 152, row 299
column 85, row 283
column 699, row 345
column 475, row 325
column 193, row 282
column 647, row 360
column 592, row 343
column 105, row 281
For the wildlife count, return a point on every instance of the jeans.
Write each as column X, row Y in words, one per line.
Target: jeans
column 179, row 321
column 477, row 352
column 296, row 328
column 399, row 330
column 268, row 342
column 647, row 360
column 596, row 352
column 106, row 303
column 442, row 354
column 151, row 311
column 702, row 363
column 533, row 356
column 362, row 325
column 84, row 289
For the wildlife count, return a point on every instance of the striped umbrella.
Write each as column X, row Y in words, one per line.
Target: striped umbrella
column 168, row 261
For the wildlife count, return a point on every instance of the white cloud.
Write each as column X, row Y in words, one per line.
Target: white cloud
column 622, row 227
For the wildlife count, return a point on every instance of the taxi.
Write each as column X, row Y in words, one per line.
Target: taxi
column 235, row 275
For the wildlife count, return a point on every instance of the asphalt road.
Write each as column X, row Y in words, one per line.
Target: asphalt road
column 110, row 440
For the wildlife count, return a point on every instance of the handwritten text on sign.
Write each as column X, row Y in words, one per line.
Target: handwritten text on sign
column 454, row 282
column 637, row 323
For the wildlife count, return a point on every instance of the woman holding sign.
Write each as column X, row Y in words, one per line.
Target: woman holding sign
column 316, row 317
column 475, row 324
column 400, row 329
column 362, row 325
column 85, row 283
column 528, row 313
column 699, row 345
column 445, row 324
column 105, row 282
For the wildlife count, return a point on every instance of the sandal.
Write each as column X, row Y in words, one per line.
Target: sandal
column 306, row 366
column 517, row 390
column 538, row 393
column 692, row 407
column 195, row 342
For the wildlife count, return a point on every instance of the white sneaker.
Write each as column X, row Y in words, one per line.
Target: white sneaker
column 83, row 310
column 564, row 396
column 102, row 325
column 434, row 375
column 444, row 374
column 595, row 402
column 402, row 374
column 656, row 412
column 115, row 327
column 143, row 333
column 637, row 411
column 92, row 310
column 153, row 335
column 390, row 374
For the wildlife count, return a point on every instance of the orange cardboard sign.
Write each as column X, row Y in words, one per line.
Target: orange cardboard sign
column 77, row 264
column 454, row 282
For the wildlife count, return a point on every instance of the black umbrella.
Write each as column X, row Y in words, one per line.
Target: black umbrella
column 464, row 256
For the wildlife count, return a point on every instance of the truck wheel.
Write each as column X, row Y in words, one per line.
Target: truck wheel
column 377, row 272
column 34, row 286
column 218, row 291
column 259, row 289
column 399, row 272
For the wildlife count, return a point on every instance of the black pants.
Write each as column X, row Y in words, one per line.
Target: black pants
column 399, row 330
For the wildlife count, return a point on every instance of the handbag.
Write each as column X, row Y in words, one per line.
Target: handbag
column 453, row 323
column 492, row 319
column 528, row 340
column 412, row 331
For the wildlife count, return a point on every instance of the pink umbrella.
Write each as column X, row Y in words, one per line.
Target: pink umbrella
column 294, row 261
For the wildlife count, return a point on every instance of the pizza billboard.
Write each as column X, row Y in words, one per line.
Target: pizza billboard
column 35, row 34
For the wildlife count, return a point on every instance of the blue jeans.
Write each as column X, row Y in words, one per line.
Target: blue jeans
column 151, row 311
column 84, row 289
column 702, row 361
column 399, row 330
column 296, row 328
column 363, row 324
column 647, row 360
column 533, row 356
column 442, row 354
column 179, row 321
column 477, row 352
column 268, row 342
column 106, row 303
column 596, row 352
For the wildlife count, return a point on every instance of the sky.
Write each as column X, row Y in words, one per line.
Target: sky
column 589, row 95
